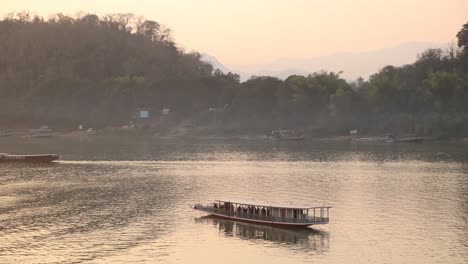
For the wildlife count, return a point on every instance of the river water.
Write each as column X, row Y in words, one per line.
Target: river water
column 126, row 200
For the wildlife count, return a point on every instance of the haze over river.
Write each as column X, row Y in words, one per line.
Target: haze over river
column 126, row 200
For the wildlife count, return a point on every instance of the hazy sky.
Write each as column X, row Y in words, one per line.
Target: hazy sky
column 258, row 31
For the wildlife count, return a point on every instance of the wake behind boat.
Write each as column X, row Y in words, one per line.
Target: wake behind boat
column 28, row 158
column 264, row 213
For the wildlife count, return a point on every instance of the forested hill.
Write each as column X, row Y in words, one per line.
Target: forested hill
column 66, row 71
column 98, row 71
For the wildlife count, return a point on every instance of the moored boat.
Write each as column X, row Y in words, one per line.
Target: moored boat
column 265, row 213
column 287, row 134
column 28, row 158
column 370, row 139
column 406, row 140
column 42, row 132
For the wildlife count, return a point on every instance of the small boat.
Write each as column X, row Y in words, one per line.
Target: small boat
column 42, row 132
column 406, row 140
column 370, row 139
column 265, row 213
column 28, row 158
column 287, row 134
column 5, row 133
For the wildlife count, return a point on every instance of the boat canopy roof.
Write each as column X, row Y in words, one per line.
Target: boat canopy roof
column 266, row 204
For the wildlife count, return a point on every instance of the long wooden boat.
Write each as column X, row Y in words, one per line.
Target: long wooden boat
column 265, row 213
column 28, row 158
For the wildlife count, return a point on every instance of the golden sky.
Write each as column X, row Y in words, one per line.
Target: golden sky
column 260, row 31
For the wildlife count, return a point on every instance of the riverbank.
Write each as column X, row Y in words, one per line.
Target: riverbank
column 204, row 133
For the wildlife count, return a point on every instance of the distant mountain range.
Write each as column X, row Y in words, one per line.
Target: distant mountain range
column 215, row 62
column 353, row 65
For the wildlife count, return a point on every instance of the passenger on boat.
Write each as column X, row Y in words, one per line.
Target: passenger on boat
column 263, row 211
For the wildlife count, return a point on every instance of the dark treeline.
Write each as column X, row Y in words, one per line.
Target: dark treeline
column 97, row 71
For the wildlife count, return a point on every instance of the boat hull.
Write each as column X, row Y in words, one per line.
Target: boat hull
column 407, row 140
column 28, row 158
column 254, row 221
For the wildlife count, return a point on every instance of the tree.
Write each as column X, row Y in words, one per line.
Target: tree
column 444, row 87
column 462, row 36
